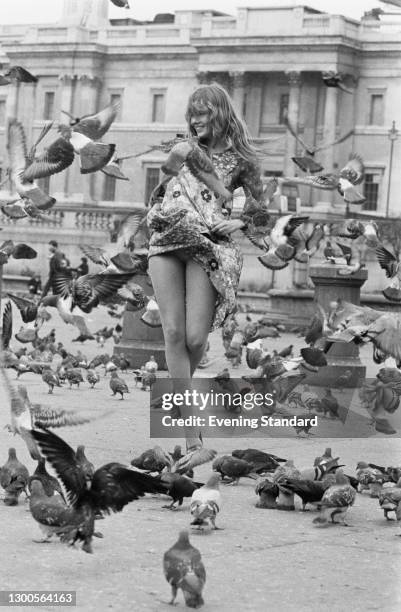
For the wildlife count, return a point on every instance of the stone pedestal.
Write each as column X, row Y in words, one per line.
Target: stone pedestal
column 139, row 341
column 342, row 356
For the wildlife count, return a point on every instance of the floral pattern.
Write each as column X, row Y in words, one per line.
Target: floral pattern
column 220, row 257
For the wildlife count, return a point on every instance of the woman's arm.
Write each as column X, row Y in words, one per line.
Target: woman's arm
column 255, row 208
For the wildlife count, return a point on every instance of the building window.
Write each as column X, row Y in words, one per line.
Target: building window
column 151, row 181
column 371, row 191
column 109, row 188
column 376, row 109
column 284, row 99
column 117, row 98
column 48, row 111
column 292, row 194
column 2, row 112
column 158, row 106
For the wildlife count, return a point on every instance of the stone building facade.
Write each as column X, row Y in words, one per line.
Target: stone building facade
column 270, row 59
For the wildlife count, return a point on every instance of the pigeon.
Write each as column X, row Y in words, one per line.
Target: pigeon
column 178, row 487
column 327, row 456
column 111, row 488
column 49, row 483
column 50, row 378
column 268, row 492
column 285, row 499
column 390, row 500
column 92, row 377
column 84, row 135
column 335, row 79
column 262, row 462
column 307, row 161
column 354, row 323
column 90, row 290
column 198, row 163
column 370, row 478
column 152, row 460
column 310, row 491
column 280, row 238
column 25, row 416
column 14, row 478
column 74, row 376
column 17, row 251
column 63, row 305
column 121, row 3
column 183, row 569
column 17, row 74
column 306, row 246
column 350, row 175
column 52, row 514
column 391, row 265
column 113, row 167
column 234, row 468
column 27, row 308
column 118, row 385
column 336, row 500
column 19, row 163
column 206, row 503
column 151, row 316
column 120, row 262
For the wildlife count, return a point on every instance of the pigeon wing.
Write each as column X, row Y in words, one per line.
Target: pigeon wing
column 63, row 459
column 386, row 260
column 56, row 158
column 95, row 126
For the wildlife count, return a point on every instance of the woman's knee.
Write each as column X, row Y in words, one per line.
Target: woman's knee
column 195, row 342
column 174, row 335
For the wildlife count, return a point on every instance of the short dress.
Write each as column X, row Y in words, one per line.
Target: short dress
column 182, row 220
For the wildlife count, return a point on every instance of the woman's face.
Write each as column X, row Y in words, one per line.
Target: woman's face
column 200, row 122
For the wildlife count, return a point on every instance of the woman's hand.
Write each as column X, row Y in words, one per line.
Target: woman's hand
column 227, row 227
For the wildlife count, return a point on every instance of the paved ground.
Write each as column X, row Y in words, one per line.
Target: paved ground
column 263, row 559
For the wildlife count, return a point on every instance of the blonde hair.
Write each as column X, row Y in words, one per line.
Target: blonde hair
column 225, row 123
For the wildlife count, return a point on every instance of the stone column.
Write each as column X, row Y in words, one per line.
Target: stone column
column 294, row 80
column 89, row 88
column 238, row 91
column 139, row 341
column 329, row 135
column 342, row 356
column 254, row 104
column 67, row 95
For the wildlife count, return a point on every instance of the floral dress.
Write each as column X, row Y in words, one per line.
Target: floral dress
column 182, row 221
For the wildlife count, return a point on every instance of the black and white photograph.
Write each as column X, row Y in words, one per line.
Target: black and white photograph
column 200, row 305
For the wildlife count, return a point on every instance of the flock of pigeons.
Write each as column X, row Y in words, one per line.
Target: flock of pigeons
column 68, row 508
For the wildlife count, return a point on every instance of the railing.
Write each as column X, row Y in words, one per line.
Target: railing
column 99, row 218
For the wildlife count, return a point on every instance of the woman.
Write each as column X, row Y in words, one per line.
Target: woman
column 194, row 264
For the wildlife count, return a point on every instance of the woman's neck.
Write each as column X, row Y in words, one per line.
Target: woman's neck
column 217, row 146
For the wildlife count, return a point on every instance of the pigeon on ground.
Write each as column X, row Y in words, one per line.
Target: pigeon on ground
column 336, row 500
column 49, row 483
column 118, row 385
column 14, row 478
column 234, row 468
column 183, row 569
column 390, row 500
column 111, row 488
column 263, row 462
column 206, row 504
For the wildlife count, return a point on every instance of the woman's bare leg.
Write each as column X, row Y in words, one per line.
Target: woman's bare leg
column 200, row 307
column 168, row 279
